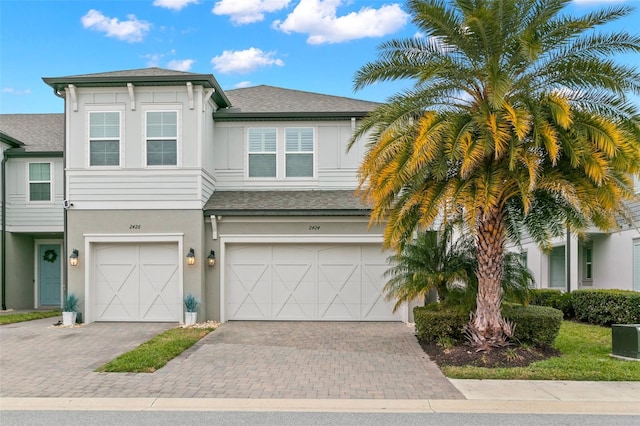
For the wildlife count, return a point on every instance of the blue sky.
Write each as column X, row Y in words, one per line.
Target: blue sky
column 313, row 45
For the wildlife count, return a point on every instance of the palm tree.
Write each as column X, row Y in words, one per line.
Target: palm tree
column 433, row 261
column 516, row 110
column 441, row 261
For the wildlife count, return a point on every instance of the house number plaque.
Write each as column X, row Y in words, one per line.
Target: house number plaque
column 135, row 226
column 314, row 227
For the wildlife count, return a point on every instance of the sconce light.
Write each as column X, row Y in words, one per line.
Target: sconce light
column 73, row 258
column 211, row 259
column 191, row 257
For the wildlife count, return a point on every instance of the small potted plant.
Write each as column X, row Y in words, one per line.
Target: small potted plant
column 191, row 309
column 69, row 309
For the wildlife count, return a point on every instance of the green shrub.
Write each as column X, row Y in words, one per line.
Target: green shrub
column 535, row 325
column 554, row 299
column 434, row 324
column 606, row 307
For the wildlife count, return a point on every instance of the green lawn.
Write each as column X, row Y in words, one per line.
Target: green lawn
column 585, row 350
column 27, row 316
column 155, row 353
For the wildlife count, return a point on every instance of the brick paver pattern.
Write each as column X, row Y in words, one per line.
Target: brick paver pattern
column 337, row 360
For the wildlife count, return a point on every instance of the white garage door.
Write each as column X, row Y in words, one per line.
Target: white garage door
column 136, row 282
column 318, row 282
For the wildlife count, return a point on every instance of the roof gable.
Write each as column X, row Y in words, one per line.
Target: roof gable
column 140, row 77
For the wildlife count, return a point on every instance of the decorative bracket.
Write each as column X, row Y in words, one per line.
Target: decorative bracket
column 190, row 94
column 214, row 227
column 74, row 98
column 132, row 97
column 207, row 96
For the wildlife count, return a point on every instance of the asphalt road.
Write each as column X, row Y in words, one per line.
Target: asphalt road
column 157, row 418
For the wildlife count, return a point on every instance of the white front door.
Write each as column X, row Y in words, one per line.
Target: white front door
column 136, row 282
column 319, row 282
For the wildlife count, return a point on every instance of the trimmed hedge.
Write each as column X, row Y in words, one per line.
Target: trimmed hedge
column 433, row 324
column 553, row 299
column 535, row 325
column 606, row 307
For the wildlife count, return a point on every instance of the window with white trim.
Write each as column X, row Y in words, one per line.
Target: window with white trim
column 104, row 138
column 39, row 181
column 162, row 138
column 588, row 263
column 299, row 152
column 262, row 149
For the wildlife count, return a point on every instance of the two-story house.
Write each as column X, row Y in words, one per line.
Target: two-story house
column 32, row 220
column 246, row 199
column 243, row 198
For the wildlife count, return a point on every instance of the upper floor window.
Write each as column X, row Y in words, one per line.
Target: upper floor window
column 162, row 138
column 39, row 181
column 262, row 150
column 104, row 138
column 299, row 152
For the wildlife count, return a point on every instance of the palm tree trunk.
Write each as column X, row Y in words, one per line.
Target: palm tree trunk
column 487, row 328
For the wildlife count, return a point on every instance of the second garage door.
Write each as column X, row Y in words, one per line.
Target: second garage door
column 136, row 282
column 319, row 282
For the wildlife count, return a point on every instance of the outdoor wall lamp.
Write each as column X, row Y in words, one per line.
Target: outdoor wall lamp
column 211, row 259
column 191, row 257
column 73, row 258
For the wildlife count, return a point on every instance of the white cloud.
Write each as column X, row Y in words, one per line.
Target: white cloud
column 174, row 4
column 319, row 19
column 247, row 11
column 180, row 64
column 131, row 30
column 16, row 91
column 242, row 84
column 244, row 61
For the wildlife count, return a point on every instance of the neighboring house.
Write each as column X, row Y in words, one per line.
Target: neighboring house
column 164, row 169
column 604, row 260
column 32, row 257
column 246, row 199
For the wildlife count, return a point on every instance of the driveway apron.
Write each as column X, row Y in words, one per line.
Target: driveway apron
column 239, row 360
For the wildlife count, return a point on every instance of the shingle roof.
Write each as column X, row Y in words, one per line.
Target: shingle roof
column 140, row 77
column 38, row 132
column 291, row 203
column 266, row 101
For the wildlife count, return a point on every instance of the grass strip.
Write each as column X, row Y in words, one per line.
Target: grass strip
column 27, row 316
column 155, row 353
column 585, row 356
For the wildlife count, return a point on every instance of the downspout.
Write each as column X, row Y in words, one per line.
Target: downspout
column 4, row 230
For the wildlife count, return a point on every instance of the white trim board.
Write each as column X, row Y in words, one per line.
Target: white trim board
column 292, row 239
column 89, row 258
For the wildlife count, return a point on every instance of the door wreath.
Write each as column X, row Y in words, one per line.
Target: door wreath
column 50, row 256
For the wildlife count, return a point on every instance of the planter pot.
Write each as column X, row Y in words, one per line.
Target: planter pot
column 190, row 318
column 69, row 318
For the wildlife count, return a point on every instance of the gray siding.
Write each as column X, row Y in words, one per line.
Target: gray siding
column 26, row 216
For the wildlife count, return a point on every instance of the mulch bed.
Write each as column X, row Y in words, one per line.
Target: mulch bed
column 510, row 356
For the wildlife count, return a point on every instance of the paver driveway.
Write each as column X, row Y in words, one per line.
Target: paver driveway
column 238, row 360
